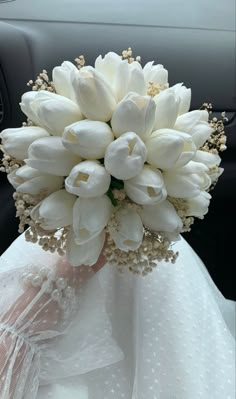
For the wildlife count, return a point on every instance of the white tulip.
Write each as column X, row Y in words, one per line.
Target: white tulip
column 147, row 188
column 188, row 181
column 167, row 106
column 62, row 80
column 125, row 156
column 212, row 161
column 108, row 66
column 88, row 179
column 89, row 139
column 54, row 112
column 86, row 253
column 168, row 148
column 134, row 113
column 55, row 211
column 195, row 123
column 156, row 74
column 50, row 156
column 127, row 233
column 198, row 206
column 90, row 217
column 94, row 95
column 215, row 173
column 129, row 78
column 30, row 181
column 209, row 159
column 162, row 217
column 25, row 104
column 16, row 141
column 184, row 95
column 122, row 76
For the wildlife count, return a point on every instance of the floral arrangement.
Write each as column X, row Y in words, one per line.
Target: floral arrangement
column 111, row 155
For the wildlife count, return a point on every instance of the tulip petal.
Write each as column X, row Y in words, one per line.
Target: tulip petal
column 184, row 95
column 50, row 156
column 134, row 113
column 125, row 156
column 89, row 139
column 84, row 254
column 198, row 206
column 88, row 179
column 188, row 181
column 196, row 124
column 136, row 82
column 146, row 188
column 62, row 80
column 55, row 211
column 207, row 158
column 31, row 181
column 167, row 106
column 91, row 88
column 108, row 66
column 168, row 148
column 25, row 104
column 16, row 141
column 161, row 217
column 90, row 217
column 128, row 233
column 55, row 112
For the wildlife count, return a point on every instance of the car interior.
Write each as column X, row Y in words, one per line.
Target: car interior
column 195, row 42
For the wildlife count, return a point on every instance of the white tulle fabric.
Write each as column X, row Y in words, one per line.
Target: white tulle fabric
column 169, row 335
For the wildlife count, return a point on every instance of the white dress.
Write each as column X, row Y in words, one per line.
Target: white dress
column 169, row 335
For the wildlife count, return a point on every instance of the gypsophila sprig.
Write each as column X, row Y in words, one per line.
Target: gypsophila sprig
column 111, row 159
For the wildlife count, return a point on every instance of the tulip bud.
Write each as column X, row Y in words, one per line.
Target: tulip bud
column 16, row 142
column 62, row 80
column 90, row 217
column 161, row 217
column 188, row 181
column 156, row 74
column 89, row 139
column 88, row 179
column 207, row 158
column 146, row 188
column 196, row 124
column 125, row 156
column 167, row 148
column 54, row 112
column 212, row 161
column 198, row 206
column 55, row 211
column 184, row 96
column 127, row 232
column 30, row 181
column 134, row 113
column 167, row 106
column 94, row 95
column 86, row 253
column 108, row 66
column 50, row 156
column 129, row 78
column 26, row 108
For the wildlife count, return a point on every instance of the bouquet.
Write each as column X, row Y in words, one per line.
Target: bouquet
column 111, row 160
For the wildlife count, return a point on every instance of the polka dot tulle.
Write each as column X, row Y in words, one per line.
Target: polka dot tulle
column 169, row 335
